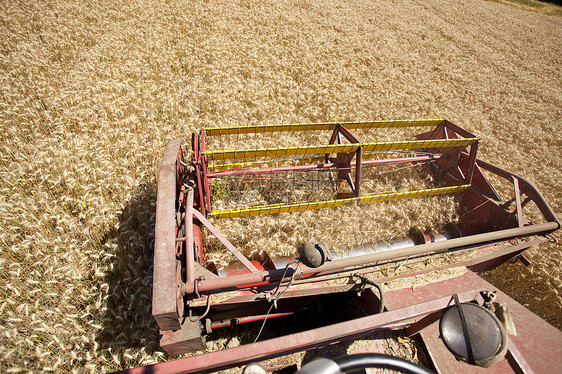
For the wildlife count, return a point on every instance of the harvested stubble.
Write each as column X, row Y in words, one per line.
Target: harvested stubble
column 91, row 92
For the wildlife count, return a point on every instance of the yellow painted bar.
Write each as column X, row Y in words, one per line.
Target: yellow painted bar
column 283, row 208
column 270, row 163
column 339, row 148
column 260, row 129
column 221, row 167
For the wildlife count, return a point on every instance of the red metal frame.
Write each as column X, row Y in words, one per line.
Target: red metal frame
column 418, row 310
column 184, row 282
column 361, row 163
column 165, row 282
column 343, row 160
column 204, row 171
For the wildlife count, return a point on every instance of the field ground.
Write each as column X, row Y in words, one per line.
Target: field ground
column 92, row 91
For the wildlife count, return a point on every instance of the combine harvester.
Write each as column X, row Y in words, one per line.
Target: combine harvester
column 463, row 323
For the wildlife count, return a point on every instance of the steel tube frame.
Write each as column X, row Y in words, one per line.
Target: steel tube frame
column 198, row 160
column 220, row 284
column 242, row 320
column 217, row 284
column 474, row 264
column 189, row 249
column 404, row 145
column 204, row 170
column 239, row 256
column 524, row 186
column 390, row 161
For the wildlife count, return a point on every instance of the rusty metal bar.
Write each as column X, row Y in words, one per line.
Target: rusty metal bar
column 164, row 273
column 283, row 345
column 518, row 207
column 225, row 242
column 189, row 250
column 422, row 323
column 349, row 136
column 335, row 135
column 484, row 263
column 474, row 264
column 529, row 189
column 405, row 145
column 198, row 171
column 219, row 284
column 462, row 132
column 204, row 163
column 242, row 320
column 313, row 159
column 471, row 163
column 358, row 164
column 389, row 161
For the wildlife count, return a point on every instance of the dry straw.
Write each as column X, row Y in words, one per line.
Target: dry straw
column 91, row 92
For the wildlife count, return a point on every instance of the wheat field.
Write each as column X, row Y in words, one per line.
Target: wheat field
column 92, row 91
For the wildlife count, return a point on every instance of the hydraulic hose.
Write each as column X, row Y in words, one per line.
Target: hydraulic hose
column 376, row 285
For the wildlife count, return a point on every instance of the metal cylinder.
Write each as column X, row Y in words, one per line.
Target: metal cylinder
column 417, row 250
column 415, row 237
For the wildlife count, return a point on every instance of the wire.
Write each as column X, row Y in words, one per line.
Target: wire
column 263, row 324
column 366, row 280
column 202, row 315
column 276, row 295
